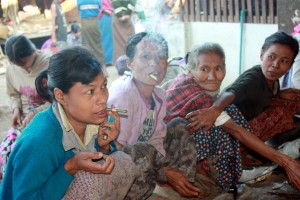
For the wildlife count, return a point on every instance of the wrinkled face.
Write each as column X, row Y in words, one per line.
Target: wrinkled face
column 149, row 61
column 276, row 61
column 210, row 71
column 86, row 104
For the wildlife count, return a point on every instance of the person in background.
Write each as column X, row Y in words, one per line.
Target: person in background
column 121, row 65
column 10, row 9
column 59, row 25
column 122, row 25
column 26, row 63
column 122, row 69
column 105, row 25
column 91, row 35
column 74, row 37
column 57, row 154
column 175, row 67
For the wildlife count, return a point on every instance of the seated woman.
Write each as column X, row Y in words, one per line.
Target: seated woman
column 60, row 143
column 257, row 93
column 144, row 134
column 26, row 62
column 217, row 152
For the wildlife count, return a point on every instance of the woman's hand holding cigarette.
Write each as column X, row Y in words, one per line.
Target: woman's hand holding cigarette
column 109, row 130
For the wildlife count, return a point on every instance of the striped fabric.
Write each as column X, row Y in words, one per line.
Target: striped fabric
column 89, row 6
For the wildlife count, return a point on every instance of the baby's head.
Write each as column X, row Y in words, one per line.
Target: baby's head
column 121, row 65
column 75, row 29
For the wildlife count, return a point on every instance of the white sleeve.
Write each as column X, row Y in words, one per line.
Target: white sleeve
column 222, row 119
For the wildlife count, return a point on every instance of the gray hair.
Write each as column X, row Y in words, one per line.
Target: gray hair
column 191, row 57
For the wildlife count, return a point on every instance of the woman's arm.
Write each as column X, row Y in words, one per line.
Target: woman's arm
column 15, row 100
column 53, row 17
column 205, row 118
column 32, row 113
column 251, row 141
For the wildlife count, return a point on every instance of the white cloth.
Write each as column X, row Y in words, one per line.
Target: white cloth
column 222, row 119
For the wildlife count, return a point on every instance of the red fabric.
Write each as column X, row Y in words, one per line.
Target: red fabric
column 185, row 96
column 276, row 119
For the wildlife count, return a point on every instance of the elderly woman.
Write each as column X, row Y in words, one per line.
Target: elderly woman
column 257, row 93
column 217, row 152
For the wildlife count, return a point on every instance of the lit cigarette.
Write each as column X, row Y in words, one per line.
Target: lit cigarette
column 117, row 110
column 153, row 77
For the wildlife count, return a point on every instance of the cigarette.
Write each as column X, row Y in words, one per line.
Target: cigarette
column 117, row 110
column 153, row 77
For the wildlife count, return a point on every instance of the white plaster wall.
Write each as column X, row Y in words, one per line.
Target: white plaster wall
column 182, row 36
column 228, row 36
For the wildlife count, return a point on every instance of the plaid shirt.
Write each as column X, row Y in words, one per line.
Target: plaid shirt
column 185, row 96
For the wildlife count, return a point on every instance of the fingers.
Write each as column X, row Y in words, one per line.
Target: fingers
column 109, row 132
column 28, row 118
column 110, row 163
column 87, row 162
column 93, row 155
column 25, row 122
column 16, row 123
column 185, row 188
column 104, row 168
column 190, row 189
column 180, row 183
column 191, row 114
column 190, row 129
column 294, row 179
column 293, row 175
column 193, row 188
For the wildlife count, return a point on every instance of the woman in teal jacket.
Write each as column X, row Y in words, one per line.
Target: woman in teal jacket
column 62, row 141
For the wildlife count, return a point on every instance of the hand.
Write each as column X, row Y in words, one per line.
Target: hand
column 204, row 118
column 292, row 169
column 290, row 94
column 27, row 119
column 108, row 131
column 84, row 161
column 16, row 118
column 53, row 42
column 180, row 183
column 108, row 12
column 124, row 18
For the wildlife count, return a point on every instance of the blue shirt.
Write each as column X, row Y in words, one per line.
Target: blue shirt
column 88, row 8
column 35, row 168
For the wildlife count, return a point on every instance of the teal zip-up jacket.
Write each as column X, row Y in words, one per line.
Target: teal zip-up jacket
column 35, row 168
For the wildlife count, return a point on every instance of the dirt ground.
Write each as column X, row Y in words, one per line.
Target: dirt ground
column 260, row 190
